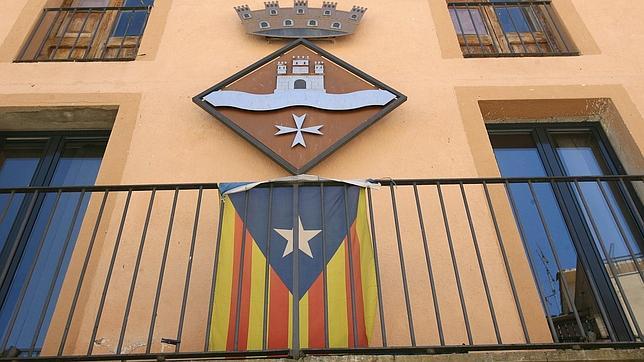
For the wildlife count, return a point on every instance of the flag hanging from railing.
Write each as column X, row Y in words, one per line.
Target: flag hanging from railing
column 253, row 296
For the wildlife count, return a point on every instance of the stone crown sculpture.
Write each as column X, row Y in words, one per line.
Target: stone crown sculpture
column 300, row 21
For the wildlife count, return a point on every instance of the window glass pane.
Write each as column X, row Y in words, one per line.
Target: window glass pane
column 468, row 21
column 131, row 22
column 90, row 3
column 517, row 156
column 615, row 231
column 18, row 163
column 514, row 19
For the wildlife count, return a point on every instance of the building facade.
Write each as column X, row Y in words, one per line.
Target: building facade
column 500, row 204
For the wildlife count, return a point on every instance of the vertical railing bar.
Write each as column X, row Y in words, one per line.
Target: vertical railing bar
column 23, row 51
column 32, row 268
column 516, row 29
column 506, row 264
column 164, row 260
column 567, row 295
column 186, row 288
column 90, row 45
column 631, row 203
column 458, row 20
column 620, row 228
column 140, row 36
column 110, row 33
column 522, row 234
column 543, row 28
column 214, row 274
column 110, row 269
column 89, row 13
column 127, row 27
column 5, row 209
column 19, row 236
column 56, row 273
column 324, row 269
column 60, row 40
column 352, row 282
column 454, row 264
column 135, row 272
column 490, row 29
column 269, row 233
column 403, row 269
column 479, row 258
column 381, row 313
column 295, row 337
column 478, row 37
column 49, row 32
column 611, row 264
column 524, row 14
column 430, row 272
column 556, row 25
column 240, row 279
column 81, row 277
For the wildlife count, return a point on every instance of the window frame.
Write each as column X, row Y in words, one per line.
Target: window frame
column 581, row 235
column 55, row 141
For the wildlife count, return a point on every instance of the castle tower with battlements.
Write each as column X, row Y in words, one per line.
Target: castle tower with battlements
column 302, row 75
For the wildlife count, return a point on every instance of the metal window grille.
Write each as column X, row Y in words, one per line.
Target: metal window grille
column 86, row 34
column 509, row 29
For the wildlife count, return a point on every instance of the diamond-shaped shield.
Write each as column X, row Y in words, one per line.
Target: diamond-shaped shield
column 299, row 104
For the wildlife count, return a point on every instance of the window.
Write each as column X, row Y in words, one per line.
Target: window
column 288, row 22
column 576, row 234
column 247, row 16
column 508, row 28
column 327, row 12
column 34, row 259
column 354, row 16
column 88, row 30
column 313, row 22
column 264, row 25
column 336, row 25
column 273, row 12
column 300, row 84
column 300, row 11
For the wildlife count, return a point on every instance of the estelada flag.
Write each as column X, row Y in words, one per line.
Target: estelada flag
column 253, row 296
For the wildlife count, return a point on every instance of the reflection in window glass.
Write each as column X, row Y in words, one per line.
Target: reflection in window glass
column 40, row 268
column 132, row 22
column 515, row 19
column 468, row 21
column 560, row 278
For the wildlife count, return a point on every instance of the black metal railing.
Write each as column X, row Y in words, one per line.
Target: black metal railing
column 455, row 269
column 509, row 28
column 86, row 34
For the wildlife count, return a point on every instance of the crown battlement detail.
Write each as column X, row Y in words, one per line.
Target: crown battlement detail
column 300, row 21
column 244, row 12
column 357, row 12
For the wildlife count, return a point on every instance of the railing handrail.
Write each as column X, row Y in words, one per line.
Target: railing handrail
column 382, row 181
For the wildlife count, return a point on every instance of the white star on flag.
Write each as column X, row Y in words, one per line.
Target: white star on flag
column 299, row 137
column 305, row 237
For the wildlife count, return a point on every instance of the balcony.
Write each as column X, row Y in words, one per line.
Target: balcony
column 86, row 34
column 450, row 270
column 509, row 29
